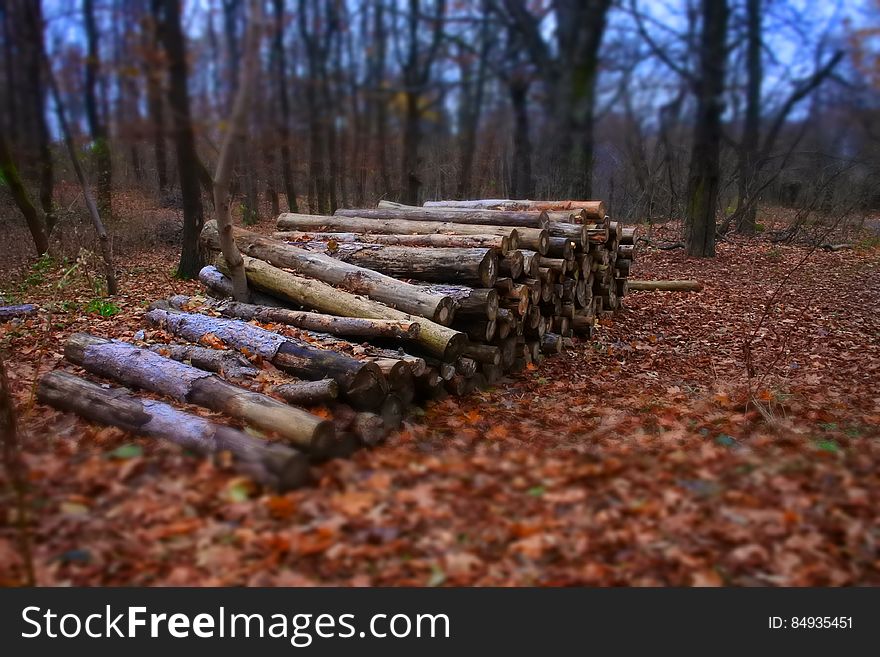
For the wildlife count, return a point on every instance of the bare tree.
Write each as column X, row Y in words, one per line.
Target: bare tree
column 97, row 123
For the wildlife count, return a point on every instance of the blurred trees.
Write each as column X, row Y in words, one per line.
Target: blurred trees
column 697, row 109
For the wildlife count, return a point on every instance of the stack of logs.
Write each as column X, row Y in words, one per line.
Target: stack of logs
column 361, row 314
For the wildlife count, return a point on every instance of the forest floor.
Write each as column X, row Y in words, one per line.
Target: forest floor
column 662, row 452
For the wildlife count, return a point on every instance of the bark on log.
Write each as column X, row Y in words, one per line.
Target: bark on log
column 531, row 263
column 626, row 251
column 511, row 265
column 434, row 338
column 271, row 464
column 308, row 393
column 595, row 209
column 399, row 375
column 12, row 312
column 467, row 367
column 576, row 232
column 219, row 285
column 143, row 368
column 358, row 280
column 666, row 286
column 471, row 303
column 304, row 222
column 480, row 331
column 310, row 321
column 361, row 383
column 221, row 361
column 551, row 344
column 454, row 215
column 500, row 242
column 628, row 235
column 561, row 247
column 483, row 353
column 477, row 267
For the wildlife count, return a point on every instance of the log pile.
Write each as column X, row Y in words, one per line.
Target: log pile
column 357, row 315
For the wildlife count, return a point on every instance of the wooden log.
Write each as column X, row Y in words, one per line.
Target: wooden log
column 306, row 222
column 615, row 230
column 477, row 267
column 480, row 331
column 434, row 338
column 271, row 464
column 416, row 364
column 534, row 239
column 142, row 368
column 665, row 286
column 508, row 348
column 310, row 321
column 429, row 383
column 621, row 286
column 531, row 263
column 15, row 312
column 534, row 285
column 626, row 251
column 492, row 373
column 445, row 370
column 628, row 235
column 561, row 325
column 551, row 344
column 467, row 367
column 458, row 385
column 561, row 247
column 225, row 362
column 368, row 428
column 505, row 323
column 392, row 412
column 595, row 210
column 399, row 375
column 499, row 242
column 582, row 324
column 511, row 265
column 218, row 285
column 358, row 280
column 459, row 216
column 360, row 383
column 483, row 353
column 308, row 393
column 471, row 303
column 577, row 233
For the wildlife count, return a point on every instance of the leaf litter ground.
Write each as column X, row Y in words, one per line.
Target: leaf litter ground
column 646, row 456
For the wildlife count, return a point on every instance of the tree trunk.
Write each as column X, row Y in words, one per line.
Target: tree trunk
column 187, row 161
column 499, row 242
column 472, row 303
column 155, row 106
column 455, row 215
column 270, row 464
column 434, row 338
column 13, row 312
column 522, row 183
column 235, row 134
column 284, row 106
column 142, row 368
column 747, row 203
column 356, row 279
column 342, row 326
column 97, row 126
column 19, row 193
column 705, row 167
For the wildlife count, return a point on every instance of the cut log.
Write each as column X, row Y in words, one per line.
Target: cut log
column 626, row 251
column 511, row 265
column 459, row 216
column 308, row 393
column 574, row 232
column 628, row 235
column 666, row 286
column 500, row 242
column 310, row 321
column 219, row 285
column 306, row 222
column 561, row 247
column 221, row 361
column 142, row 368
column 360, row 383
column 392, row 412
column 434, row 338
column 467, row 367
column 399, row 375
column 14, row 312
column 531, row 263
column 471, row 303
column 478, row 267
column 483, row 353
column 358, row 280
column 480, row 331
column 595, row 210
column 271, row 464
column 551, row 344
column 534, row 239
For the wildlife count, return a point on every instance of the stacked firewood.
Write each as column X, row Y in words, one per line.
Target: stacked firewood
column 359, row 314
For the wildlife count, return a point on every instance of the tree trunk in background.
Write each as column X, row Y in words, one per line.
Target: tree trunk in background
column 188, row 163
column 704, row 174
column 521, row 183
column 283, row 104
column 9, row 173
column 409, row 181
column 472, row 105
column 380, row 107
column 747, row 202
column 97, row 125
column 155, row 105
